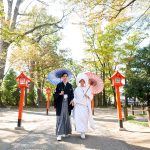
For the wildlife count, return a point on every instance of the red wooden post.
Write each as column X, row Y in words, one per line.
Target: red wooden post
column 117, row 82
column 92, row 104
column 21, row 106
column 22, row 84
column 48, row 90
column 119, row 106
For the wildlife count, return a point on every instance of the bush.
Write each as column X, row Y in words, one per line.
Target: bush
column 10, row 92
column 31, row 97
column 130, row 117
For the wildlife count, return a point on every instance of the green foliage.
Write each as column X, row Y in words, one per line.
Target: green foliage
column 43, row 97
column 1, row 9
column 109, row 46
column 31, row 97
column 138, row 76
column 51, row 100
column 130, row 117
column 38, row 52
column 75, row 68
column 10, row 91
column 144, row 124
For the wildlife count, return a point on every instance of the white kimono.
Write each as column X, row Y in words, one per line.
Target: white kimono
column 82, row 109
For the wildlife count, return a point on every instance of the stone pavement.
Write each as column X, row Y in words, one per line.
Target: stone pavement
column 39, row 133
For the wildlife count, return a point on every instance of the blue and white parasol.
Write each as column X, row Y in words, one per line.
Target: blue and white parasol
column 54, row 76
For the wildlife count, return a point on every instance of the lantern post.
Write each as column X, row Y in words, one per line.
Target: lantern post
column 48, row 92
column 92, row 105
column 22, row 84
column 117, row 82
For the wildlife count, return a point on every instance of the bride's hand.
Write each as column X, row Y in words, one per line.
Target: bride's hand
column 87, row 96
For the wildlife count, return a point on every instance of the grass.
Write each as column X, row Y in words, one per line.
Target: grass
column 144, row 124
column 141, row 115
column 131, row 119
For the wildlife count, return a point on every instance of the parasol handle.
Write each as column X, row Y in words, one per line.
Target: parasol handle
column 86, row 91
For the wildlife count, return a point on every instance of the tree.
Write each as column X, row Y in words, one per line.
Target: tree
column 38, row 48
column 12, row 27
column 7, row 27
column 113, row 33
column 37, row 62
column 10, row 91
column 111, row 10
column 104, row 47
column 138, row 77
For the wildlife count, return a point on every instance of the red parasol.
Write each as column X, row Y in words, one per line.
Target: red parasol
column 96, row 83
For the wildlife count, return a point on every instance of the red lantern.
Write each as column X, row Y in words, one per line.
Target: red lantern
column 117, row 79
column 23, row 80
column 48, row 90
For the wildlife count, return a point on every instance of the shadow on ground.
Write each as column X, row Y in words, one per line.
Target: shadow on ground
column 39, row 113
column 45, row 141
column 106, row 120
column 4, row 145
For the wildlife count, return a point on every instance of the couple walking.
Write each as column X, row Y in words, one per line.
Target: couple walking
column 65, row 100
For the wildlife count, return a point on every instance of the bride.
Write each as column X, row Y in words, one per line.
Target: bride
column 82, row 105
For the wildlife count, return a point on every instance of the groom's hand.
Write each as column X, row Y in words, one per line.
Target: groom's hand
column 72, row 103
column 62, row 93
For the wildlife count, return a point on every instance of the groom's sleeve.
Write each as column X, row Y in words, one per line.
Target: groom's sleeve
column 71, row 93
column 56, row 95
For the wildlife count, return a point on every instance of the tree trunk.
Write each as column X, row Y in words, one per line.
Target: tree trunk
column 26, row 97
column 4, row 45
column 114, row 96
column 3, row 52
column 96, row 100
column 42, row 88
column 126, row 97
column 104, row 93
column 9, row 11
column 104, row 98
column 31, row 92
column 1, row 103
column 31, row 87
column 134, row 101
column 38, row 96
column 148, row 114
column 15, row 14
column 100, row 99
column 148, row 103
column 126, row 100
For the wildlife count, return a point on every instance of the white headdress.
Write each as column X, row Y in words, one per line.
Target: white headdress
column 81, row 76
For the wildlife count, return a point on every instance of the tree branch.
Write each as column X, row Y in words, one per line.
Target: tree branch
column 9, row 11
column 122, row 8
column 46, row 24
column 28, row 6
column 139, row 18
column 41, row 36
column 15, row 14
column 40, row 26
column 21, row 14
column 103, row 5
column 42, row 2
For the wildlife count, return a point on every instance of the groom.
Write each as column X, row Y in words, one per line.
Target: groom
column 63, row 104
